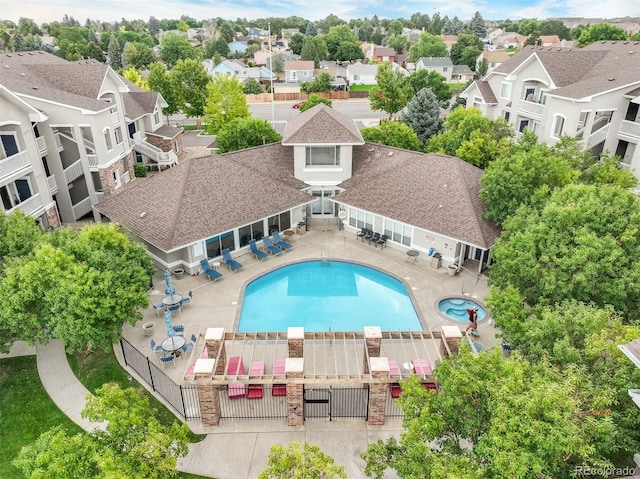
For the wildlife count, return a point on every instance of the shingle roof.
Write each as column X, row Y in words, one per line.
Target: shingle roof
column 298, row 65
column 384, row 52
column 201, row 198
column 498, row 56
column 321, row 125
column 486, row 92
column 435, row 192
column 139, row 103
column 435, row 61
column 166, row 131
column 461, row 69
column 363, row 69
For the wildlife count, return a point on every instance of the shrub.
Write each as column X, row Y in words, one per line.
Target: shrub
column 139, row 170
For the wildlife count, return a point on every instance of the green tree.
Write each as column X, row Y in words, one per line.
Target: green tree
column 93, row 50
column 153, row 26
column 395, row 27
column 427, row 45
column 349, row 51
column 314, row 48
column 607, row 171
column 393, row 91
column 320, row 83
column 555, row 27
column 392, row 133
column 477, row 25
column 244, row 133
column 27, row 26
column 337, row 35
column 468, row 45
column 277, row 64
column 296, row 42
column 311, row 30
column 420, row 79
column 454, row 26
column 135, row 77
column 297, row 460
column 19, row 235
column 314, row 100
column 189, row 80
column 115, row 53
column 252, row 87
column 528, row 26
column 398, row 43
column 601, row 31
column 422, row 115
column 225, row 102
column 573, row 248
column 138, row 55
column 176, row 47
column 158, row 80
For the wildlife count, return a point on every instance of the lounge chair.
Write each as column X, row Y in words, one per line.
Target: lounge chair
column 362, row 233
column 278, row 370
column 274, row 250
column 231, row 263
column 383, row 241
column 374, row 239
column 255, row 391
column 235, row 367
column 395, row 388
column 279, row 241
column 211, row 273
column 259, row 255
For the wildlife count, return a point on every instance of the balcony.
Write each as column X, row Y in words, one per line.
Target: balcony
column 42, row 145
column 531, row 108
column 53, row 186
column 82, row 208
column 99, row 196
column 59, row 144
column 630, row 130
column 31, row 206
column 15, row 164
column 115, row 118
column 93, row 161
column 598, row 136
column 73, row 171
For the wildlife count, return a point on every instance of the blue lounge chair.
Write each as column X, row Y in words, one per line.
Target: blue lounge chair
column 274, row 250
column 278, row 240
column 211, row 273
column 230, row 262
column 260, row 255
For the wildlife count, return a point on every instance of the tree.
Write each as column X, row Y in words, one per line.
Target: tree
column 573, row 248
column 135, row 77
column 395, row 27
column 314, row 48
column 298, row 460
column 427, row 45
column 153, row 26
column 19, row 235
column 78, row 287
column 314, row 100
column 607, row 171
column 311, row 31
column 296, row 42
column 398, row 43
column 320, row 83
column 422, row 115
column 349, row 52
column 420, row 79
column 392, row 133
column 393, row 91
column 115, row 53
column 158, row 80
column 477, row 25
column 601, row 31
column 338, row 35
column 189, row 80
column 244, row 133
column 453, row 27
column 176, row 47
column 277, row 64
column 252, row 87
column 466, row 49
column 225, row 102
column 528, row 26
column 555, row 27
column 138, row 55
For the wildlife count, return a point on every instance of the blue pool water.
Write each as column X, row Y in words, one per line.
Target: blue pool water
column 456, row 309
column 336, row 295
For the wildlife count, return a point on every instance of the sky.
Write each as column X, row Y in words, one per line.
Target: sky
column 45, row 11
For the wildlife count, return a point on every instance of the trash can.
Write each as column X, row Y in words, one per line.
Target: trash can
column 302, row 228
column 178, row 273
column 436, row 260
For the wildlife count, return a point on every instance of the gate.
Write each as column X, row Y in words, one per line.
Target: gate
column 336, row 402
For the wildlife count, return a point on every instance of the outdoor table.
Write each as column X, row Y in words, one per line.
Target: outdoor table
column 289, row 235
column 412, row 256
column 172, row 344
column 172, row 299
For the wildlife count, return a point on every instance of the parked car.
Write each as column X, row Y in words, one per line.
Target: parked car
column 297, row 105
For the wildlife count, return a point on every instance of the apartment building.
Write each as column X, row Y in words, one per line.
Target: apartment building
column 591, row 93
column 70, row 134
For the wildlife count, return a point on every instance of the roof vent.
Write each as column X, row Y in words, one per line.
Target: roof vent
column 23, row 74
column 143, row 214
column 34, row 87
column 611, row 79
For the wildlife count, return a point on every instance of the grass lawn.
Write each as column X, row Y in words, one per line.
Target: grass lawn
column 363, row 87
column 456, row 86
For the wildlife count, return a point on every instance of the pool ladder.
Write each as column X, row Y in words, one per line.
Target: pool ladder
column 324, row 258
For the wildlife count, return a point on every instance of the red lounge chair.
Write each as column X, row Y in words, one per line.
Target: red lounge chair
column 255, row 390
column 235, row 367
column 278, row 370
column 421, row 367
column 395, row 388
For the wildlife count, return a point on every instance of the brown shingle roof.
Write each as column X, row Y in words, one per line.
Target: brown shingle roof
column 198, row 199
column 166, row 131
column 321, row 125
column 298, row 65
column 486, row 92
column 139, row 103
column 435, row 192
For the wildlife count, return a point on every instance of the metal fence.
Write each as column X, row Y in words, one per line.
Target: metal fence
column 182, row 398
column 391, row 408
column 336, row 402
column 243, row 407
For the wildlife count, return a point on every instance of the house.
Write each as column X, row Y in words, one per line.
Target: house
column 592, row 94
column 227, row 68
column 449, row 40
column 442, row 65
column 461, row 74
column 237, row 47
column 509, row 40
column 322, row 167
column 289, row 32
column 241, row 71
column 298, row 71
column 361, row 74
column 494, row 59
column 70, row 134
column 383, row 54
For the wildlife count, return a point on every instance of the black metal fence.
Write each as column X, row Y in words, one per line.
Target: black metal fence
column 250, row 406
column 182, row 398
column 336, row 402
column 391, row 408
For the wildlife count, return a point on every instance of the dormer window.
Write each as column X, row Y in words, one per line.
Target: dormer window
column 322, row 156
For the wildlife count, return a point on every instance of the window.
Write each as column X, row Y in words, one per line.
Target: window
column 582, row 119
column 529, row 94
column 522, row 125
column 249, row 232
column 216, row 244
column 8, row 145
column 506, row 115
column 558, row 126
column 107, row 139
column 444, row 69
column 322, row 156
column 118, row 135
column 156, row 117
column 477, row 102
column 398, row 232
column 505, row 90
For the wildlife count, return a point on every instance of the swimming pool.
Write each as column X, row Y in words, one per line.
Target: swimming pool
column 456, row 309
column 327, row 295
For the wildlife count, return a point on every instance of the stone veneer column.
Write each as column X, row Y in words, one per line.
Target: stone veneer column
column 295, row 340
column 378, row 392
column 372, row 343
column 214, row 340
column 453, row 336
column 52, row 217
column 208, row 394
column 294, row 369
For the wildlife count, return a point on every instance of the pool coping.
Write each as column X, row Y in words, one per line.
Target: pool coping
column 466, row 297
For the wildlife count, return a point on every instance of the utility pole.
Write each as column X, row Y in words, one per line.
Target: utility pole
column 273, row 118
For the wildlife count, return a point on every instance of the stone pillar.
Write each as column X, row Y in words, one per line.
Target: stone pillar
column 453, row 336
column 214, row 340
column 294, row 369
column 378, row 392
column 208, row 394
column 372, row 344
column 52, row 217
column 295, row 340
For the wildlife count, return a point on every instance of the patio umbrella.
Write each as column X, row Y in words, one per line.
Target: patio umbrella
column 167, row 320
column 167, row 278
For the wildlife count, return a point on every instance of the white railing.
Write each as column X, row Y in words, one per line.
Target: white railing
column 42, row 145
column 59, row 145
column 137, row 136
column 82, row 208
column 73, row 171
column 88, row 144
column 630, row 128
column 165, row 158
column 99, row 196
column 531, row 107
column 53, row 186
column 14, row 164
column 127, row 177
column 93, row 161
column 119, row 149
column 598, row 136
column 31, row 206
